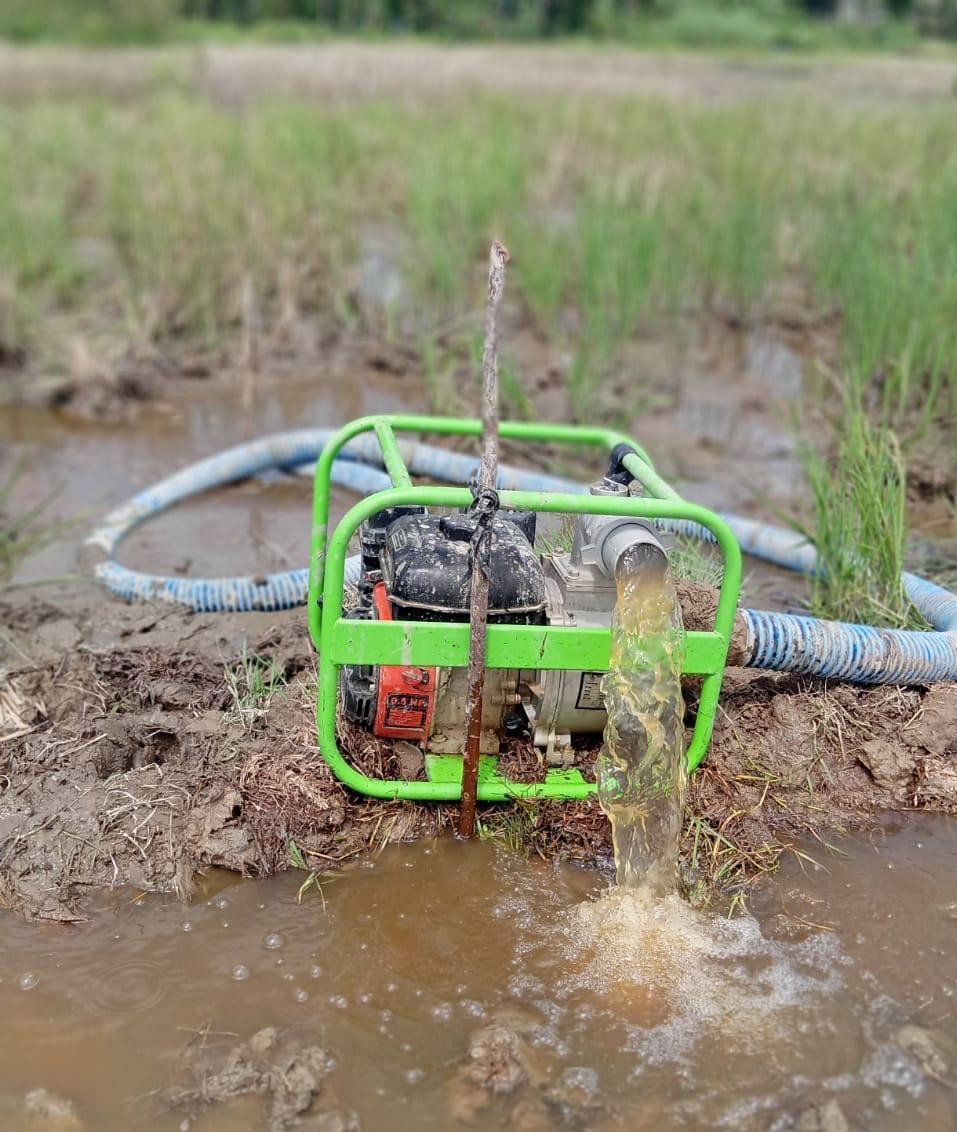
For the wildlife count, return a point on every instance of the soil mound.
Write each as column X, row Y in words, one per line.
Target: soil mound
column 141, row 746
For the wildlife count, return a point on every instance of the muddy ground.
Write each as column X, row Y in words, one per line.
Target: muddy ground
column 124, row 755
column 126, row 758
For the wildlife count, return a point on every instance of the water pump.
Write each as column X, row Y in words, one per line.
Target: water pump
column 393, row 652
column 416, row 566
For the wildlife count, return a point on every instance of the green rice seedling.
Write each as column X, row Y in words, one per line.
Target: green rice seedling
column 514, row 828
column 439, row 368
column 463, row 186
column 858, row 529
column 693, row 559
column 893, row 273
column 619, row 246
column 555, row 534
column 23, row 532
column 542, row 252
column 516, row 402
column 627, row 217
column 252, row 682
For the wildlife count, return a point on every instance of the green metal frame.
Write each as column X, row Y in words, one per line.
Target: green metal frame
column 342, row 641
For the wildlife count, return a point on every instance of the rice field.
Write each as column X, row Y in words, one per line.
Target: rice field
column 171, row 216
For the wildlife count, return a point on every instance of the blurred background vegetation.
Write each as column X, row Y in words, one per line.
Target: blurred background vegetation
column 744, row 24
column 162, row 209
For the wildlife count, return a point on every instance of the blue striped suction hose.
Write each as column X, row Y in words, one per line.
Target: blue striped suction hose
column 781, row 641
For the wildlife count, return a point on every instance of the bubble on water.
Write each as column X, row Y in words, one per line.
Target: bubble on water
column 385, row 1015
column 28, row 980
column 280, row 962
column 391, row 988
column 889, row 1065
column 442, row 1012
column 525, row 986
column 473, row 1008
column 240, row 972
column 289, row 976
column 406, row 1047
column 677, row 973
column 414, row 1076
column 301, row 995
column 315, row 971
column 187, row 925
column 272, row 941
column 365, row 998
column 580, row 1077
column 221, row 902
column 339, row 1001
column 225, row 923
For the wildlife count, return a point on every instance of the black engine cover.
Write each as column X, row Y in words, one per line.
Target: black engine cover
column 426, row 567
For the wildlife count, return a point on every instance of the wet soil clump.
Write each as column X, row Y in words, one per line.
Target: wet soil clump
column 126, row 758
column 130, row 754
column 288, row 1074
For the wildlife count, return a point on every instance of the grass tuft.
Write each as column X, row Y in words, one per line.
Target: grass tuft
column 859, row 500
column 252, row 683
column 23, row 533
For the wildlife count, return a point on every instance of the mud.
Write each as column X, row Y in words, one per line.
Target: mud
column 126, row 759
column 289, row 1075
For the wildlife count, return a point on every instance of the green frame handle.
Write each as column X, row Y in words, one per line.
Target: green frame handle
column 508, row 646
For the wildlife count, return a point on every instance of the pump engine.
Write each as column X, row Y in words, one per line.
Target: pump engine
column 417, row 566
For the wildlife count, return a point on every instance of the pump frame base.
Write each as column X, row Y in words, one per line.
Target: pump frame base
column 445, row 644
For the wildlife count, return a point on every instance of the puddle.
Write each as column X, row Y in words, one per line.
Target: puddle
column 79, row 470
column 696, row 1023
column 83, row 469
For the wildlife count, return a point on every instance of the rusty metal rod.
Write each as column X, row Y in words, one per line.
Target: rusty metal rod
column 487, row 477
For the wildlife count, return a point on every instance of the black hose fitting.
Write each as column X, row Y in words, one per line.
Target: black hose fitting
column 617, row 472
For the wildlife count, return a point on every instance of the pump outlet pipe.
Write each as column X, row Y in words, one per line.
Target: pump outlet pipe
column 780, row 641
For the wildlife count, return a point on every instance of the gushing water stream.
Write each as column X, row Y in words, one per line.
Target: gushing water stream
column 642, row 772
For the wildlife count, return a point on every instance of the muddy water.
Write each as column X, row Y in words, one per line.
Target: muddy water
column 736, row 1026
column 83, row 469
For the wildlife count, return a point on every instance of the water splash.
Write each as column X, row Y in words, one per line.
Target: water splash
column 676, row 974
column 642, row 772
